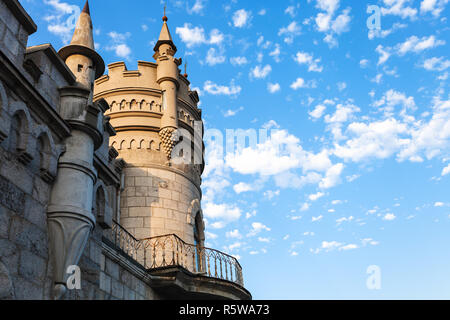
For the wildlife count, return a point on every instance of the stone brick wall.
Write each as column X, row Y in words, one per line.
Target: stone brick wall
column 157, row 201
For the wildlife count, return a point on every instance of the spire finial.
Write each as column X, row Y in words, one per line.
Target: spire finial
column 86, row 8
column 185, row 68
column 165, row 17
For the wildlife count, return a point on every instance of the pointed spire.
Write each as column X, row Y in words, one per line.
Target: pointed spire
column 86, row 8
column 83, row 41
column 83, row 34
column 164, row 36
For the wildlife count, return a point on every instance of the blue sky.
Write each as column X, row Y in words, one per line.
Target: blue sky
column 362, row 117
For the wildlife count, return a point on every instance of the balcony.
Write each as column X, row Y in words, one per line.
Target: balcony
column 182, row 269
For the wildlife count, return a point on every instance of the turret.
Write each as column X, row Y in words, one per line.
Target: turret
column 80, row 55
column 69, row 214
column 167, row 78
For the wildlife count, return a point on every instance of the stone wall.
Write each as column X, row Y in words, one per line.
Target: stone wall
column 158, row 201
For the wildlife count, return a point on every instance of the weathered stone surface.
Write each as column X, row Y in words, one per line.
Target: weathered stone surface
column 11, row 196
column 112, row 269
column 4, row 222
column 28, row 236
column 6, row 285
column 35, row 213
column 26, row 290
column 32, row 267
column 117, row 289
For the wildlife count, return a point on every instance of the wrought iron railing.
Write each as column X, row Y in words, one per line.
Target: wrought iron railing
column 170, row 250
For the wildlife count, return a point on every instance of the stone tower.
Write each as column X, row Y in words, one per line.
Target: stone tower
column 70, row 216
column 148, row 109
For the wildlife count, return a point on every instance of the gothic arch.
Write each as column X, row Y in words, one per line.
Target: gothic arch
column 195, row 216
column 24, row 145
column 113, row 106
column 132, row 144
column 100, row 205
column 48, row 156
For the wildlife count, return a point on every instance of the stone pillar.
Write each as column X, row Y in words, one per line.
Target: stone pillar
column 70, row 218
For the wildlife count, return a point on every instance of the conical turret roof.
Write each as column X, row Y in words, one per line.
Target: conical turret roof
column 83, row 41
column 165, row 37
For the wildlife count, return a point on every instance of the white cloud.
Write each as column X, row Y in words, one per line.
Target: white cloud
column 257, row 227
column 262, row 239
column 316, row 196
column 305, row 206
column 342, row 22
column 415, row 44
column 438, row 204
column 332, row 176
column 60, row 22
column 290, row 32
column 343, row 113
column 433, row 6
column 291, row 10
column 330, row 245
column 330, row 6
column 213, row 57
column 224, row 211
column 273, row 87
column 233, row 234
column 276, row 53
column 118, row 44
column 241, row 18
column 318, row 111
column 216, row 89
column 436, row 64
column 262, row 12
column 238, row 61
column 197, row 7
column 315, row 219
column 242, row 187
column 193, row 36
column 350, row 246
column 260, row 72
column 389, row 217
column 341, row 86
column 231, row 112
column 378, row 139
column 269, row 194
column 384, row 54
column 344, row 219
column 399, row 8
column 298, row 83
column 446, row 170
column 308, row 59
column 378, row 33
column 210, row 235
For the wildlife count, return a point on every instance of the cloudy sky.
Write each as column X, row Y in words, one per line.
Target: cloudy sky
column 355, row 171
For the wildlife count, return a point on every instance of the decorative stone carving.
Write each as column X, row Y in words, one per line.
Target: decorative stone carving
column 168, row 137
column 68, row 235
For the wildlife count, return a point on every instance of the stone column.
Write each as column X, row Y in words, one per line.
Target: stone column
column 70, row 218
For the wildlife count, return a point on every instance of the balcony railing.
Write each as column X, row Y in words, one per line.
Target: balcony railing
column 170, row 250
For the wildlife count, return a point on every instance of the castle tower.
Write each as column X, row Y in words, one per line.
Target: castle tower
column 69, row 214
column 148, row 107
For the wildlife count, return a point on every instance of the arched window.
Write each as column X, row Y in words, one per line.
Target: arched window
column 198, row 241
column 100, row 202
